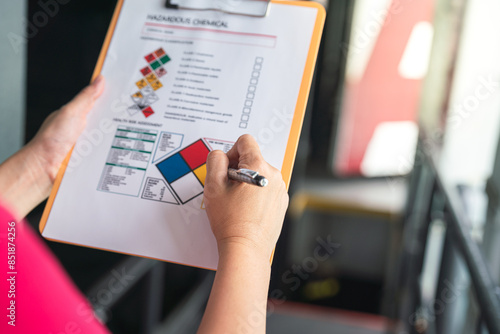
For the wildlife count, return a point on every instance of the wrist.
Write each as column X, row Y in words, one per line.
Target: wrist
column 23, row 182
column 44, row 172
column 238, row 246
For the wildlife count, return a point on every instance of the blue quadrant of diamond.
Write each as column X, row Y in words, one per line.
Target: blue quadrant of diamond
column 173, row 168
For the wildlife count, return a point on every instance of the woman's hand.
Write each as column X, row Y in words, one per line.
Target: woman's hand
column 246, row 221
column 62, row 128
column 28, row 176
column 239, row 213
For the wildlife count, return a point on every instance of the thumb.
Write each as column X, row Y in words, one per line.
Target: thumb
column 217, row 165
column 84, row 101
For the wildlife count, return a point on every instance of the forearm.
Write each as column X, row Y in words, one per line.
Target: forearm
column 238, row 300
column 23, row 184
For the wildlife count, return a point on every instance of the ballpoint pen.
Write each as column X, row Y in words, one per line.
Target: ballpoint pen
column 247, row 176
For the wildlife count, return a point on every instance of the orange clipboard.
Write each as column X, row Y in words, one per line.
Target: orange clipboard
column 296, row 125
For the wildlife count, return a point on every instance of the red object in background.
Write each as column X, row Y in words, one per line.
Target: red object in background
column 382, row 94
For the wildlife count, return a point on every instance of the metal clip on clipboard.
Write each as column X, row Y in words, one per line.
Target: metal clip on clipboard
column 256, row 8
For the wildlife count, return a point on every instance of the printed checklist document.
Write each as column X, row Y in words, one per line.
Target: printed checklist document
column 179, row 84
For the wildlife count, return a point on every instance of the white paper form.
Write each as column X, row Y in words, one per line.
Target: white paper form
column 178, row 85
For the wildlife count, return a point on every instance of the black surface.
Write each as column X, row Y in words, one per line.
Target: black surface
column 330, row 86
column 62, row 54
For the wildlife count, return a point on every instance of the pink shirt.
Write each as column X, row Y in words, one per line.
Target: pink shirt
column 35, row 293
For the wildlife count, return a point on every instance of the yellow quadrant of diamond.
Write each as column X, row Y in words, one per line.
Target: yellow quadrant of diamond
column 201, row 173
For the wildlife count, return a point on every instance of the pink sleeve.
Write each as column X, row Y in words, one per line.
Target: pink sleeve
column 36, row 295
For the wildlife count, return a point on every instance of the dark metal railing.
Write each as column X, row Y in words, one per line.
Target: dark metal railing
column 427, row 186
column 484, row 286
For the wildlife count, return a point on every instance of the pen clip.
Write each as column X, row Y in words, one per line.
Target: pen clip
column 247, row 172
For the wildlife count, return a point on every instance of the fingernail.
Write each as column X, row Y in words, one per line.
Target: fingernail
column 98, row 82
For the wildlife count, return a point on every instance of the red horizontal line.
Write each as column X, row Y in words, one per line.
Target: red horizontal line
column 211, row 30
column 216, row 41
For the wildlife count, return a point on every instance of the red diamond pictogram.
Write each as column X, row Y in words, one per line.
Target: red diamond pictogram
column 148, row 112
column 145, row 71
column 150, row 58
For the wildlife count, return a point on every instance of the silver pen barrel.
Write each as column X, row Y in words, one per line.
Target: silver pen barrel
column 242, row 176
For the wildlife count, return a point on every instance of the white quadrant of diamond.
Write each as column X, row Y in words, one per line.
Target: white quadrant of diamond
column 187, row 187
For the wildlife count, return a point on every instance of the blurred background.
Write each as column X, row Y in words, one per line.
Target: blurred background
column 397, row 174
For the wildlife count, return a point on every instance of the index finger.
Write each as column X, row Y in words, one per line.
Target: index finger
column 217, row 164
column 245, row 153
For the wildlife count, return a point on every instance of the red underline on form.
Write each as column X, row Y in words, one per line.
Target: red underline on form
column 211, row 30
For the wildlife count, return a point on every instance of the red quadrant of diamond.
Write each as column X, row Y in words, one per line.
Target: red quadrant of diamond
column 148, row 112
column 196, row 154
